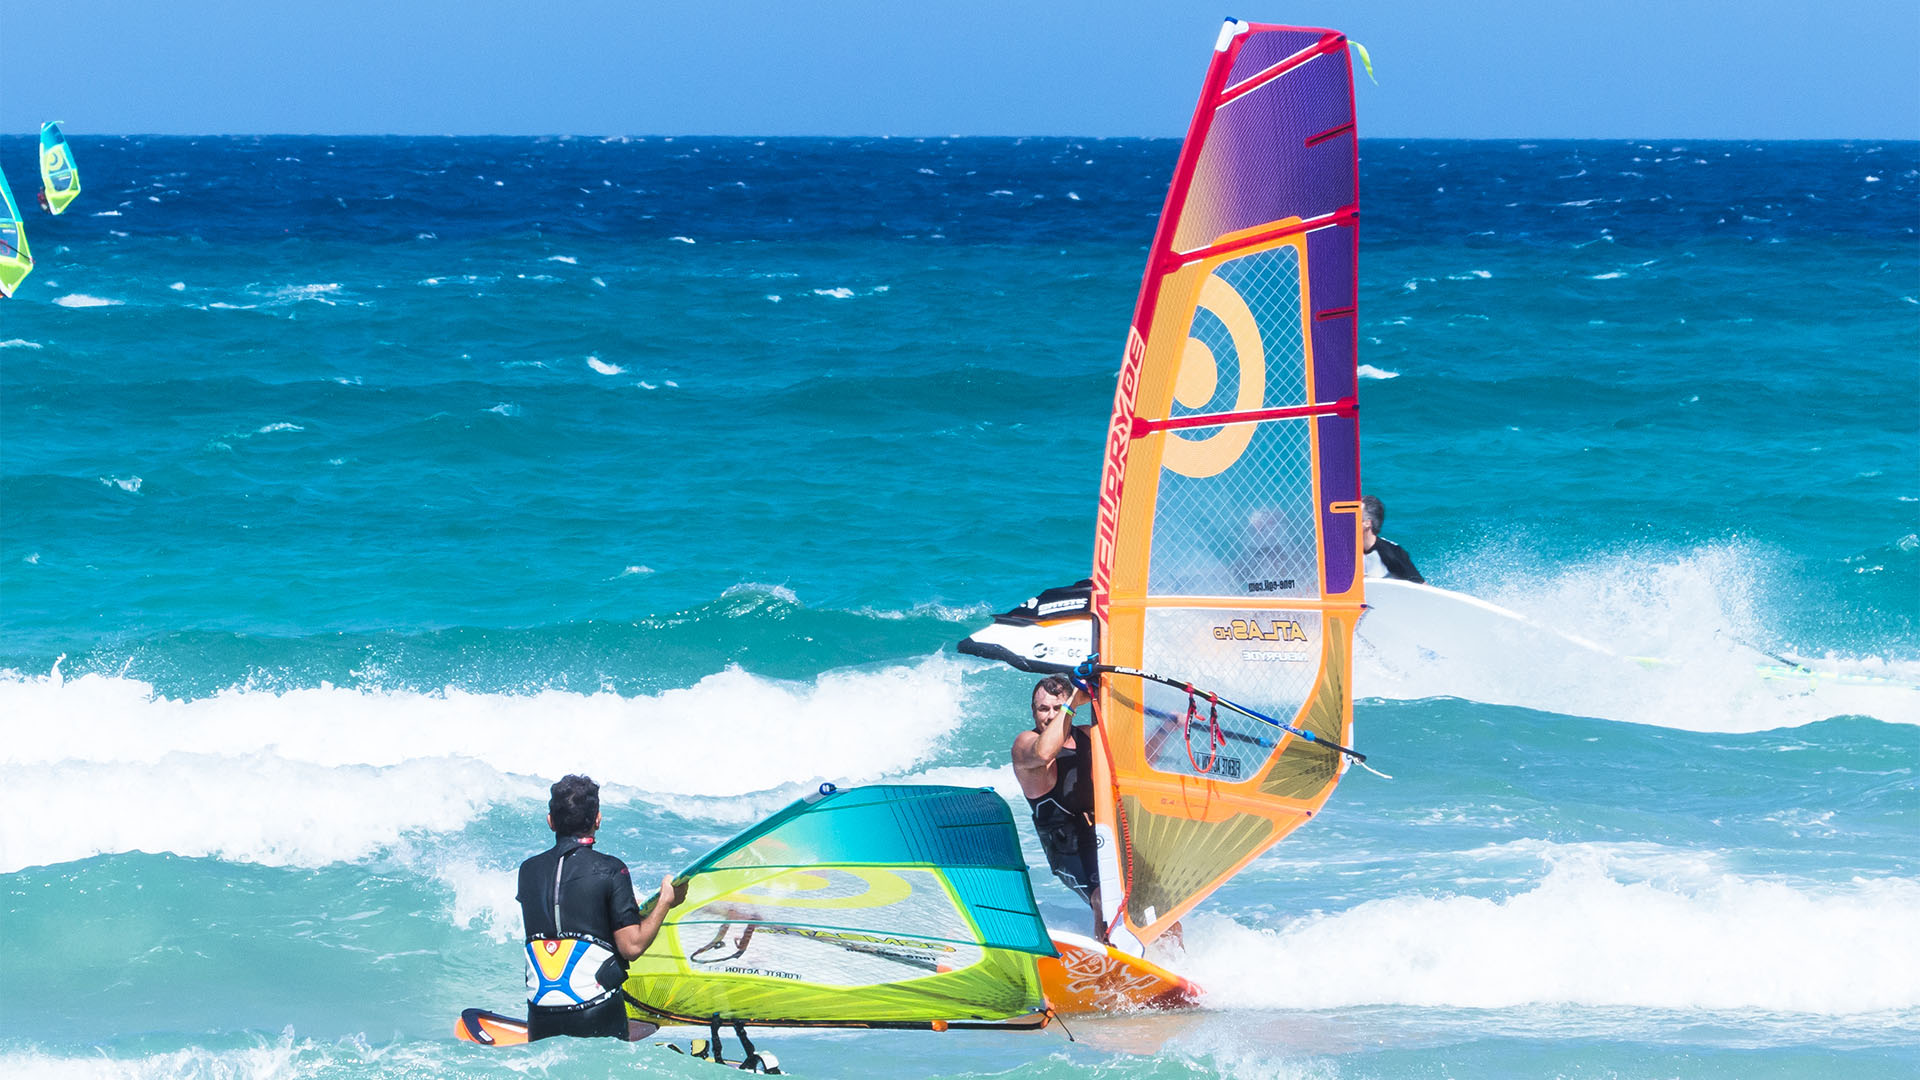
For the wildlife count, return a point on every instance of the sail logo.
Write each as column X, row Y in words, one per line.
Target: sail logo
column 1106, row 528
column 1198, row 382
column 1250, row 630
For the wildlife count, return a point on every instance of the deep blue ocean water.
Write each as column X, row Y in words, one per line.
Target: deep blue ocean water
column 352, row 490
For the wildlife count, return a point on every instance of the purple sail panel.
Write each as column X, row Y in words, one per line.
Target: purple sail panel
column 1339, row 450
column 1331, row 255
column 1284, row 149
column 1265, row 48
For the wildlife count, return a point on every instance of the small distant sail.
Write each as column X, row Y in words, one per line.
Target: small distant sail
column 16, row 262
column 891, row 906
column 59, row 179
column 1226, row 554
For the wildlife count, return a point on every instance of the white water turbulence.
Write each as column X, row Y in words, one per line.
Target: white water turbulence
column 314, row 776
column 1677, row 642
column 1601, row 927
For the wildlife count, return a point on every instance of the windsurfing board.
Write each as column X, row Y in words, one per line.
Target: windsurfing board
column 1089, row 977
column 1419, row 640
column 490, row 1028
column 484, row 1028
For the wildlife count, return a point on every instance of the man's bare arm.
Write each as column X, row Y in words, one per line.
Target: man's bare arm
column 633, row 940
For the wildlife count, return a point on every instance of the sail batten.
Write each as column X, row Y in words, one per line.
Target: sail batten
column 1226, row 551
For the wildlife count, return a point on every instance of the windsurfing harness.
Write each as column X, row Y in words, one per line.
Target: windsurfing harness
column 573, row 898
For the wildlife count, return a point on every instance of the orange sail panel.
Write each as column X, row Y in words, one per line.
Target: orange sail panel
column 1227, row 552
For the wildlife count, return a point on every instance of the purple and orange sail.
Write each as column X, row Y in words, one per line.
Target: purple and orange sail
column 1227, row 545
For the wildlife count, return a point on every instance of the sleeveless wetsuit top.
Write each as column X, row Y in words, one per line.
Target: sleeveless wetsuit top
column 1072, row 793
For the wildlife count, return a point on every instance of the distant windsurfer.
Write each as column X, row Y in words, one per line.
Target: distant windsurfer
column 1385, row 559
column 1054, row 763
column 583, row 924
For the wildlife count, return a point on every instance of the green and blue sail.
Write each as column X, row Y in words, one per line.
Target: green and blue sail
column 59, row 177
column 885, row 906
column 16, row 260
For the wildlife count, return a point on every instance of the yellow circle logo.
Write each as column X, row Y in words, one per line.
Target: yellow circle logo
column 1199, row 378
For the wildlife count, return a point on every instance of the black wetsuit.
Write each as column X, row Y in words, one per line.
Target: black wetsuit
column 1394, row 560
column 573, row 891
column 1064, row 817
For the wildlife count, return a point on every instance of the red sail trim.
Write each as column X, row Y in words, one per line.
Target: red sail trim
column 1331, row 133
column 1346, row 215
column 1106, row 525
column 1346, row 406
column 1261, row 78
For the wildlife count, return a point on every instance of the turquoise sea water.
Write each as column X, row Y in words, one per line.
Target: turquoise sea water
column 352, row 490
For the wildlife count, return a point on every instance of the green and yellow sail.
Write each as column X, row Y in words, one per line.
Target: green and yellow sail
column 16, row 262
column 887, row 906
column 59, row 179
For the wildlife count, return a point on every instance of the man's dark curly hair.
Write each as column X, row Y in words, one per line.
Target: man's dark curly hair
column 1055, row 685
column 575, row 805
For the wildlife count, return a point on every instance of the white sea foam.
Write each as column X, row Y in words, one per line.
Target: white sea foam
column 257, row 807
column 82, row 300
column 683, row 239
column 484, row 897
column 308, row 777
column 568, row 259
column 20, row 343
column 757, row 588
column 840, row 292
column 316, row 291
column 128, row 484
column 278, row 426
column 1595, row 930
column 636, row 570
column 933, row 609
column 1368, row 371
column 279, row 1058
column 1608, row 276
column 605, row 368
column 178, row 286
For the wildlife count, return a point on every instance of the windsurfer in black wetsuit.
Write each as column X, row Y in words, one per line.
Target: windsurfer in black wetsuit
column 1054, row 763
column 583, row 925
column 1384, row 557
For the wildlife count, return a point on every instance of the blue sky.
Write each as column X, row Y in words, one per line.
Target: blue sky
column 1447, row 68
